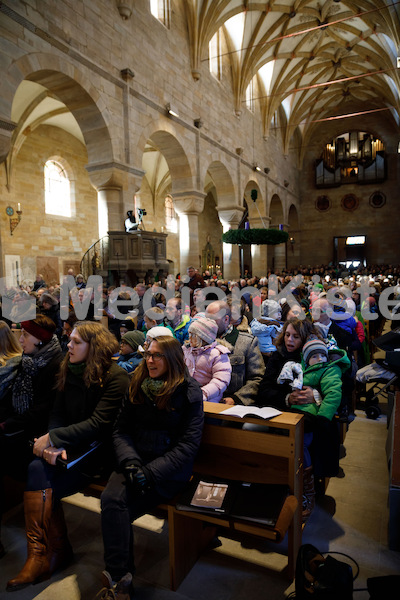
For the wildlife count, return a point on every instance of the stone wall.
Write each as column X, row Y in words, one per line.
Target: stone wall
column 39, row 234
column 379, row 225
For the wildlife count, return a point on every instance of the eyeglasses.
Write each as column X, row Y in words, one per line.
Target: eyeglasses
column 156, row 356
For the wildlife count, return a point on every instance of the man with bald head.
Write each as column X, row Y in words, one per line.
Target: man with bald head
column 328, row 328
column 245, row 356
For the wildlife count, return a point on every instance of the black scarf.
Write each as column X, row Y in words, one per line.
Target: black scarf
column 22, row 394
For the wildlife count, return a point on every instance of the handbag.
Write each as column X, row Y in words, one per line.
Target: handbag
column 322, row 578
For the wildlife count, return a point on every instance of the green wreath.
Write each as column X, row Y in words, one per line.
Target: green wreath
column 255, row 236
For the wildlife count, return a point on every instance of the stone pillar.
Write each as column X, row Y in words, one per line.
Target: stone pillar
column 293, row 248
column 109, row 208
column 114, row 184
column 6, row 131
column 280, row 255
column 230, row 219
column 188, row 206
column 259, row 252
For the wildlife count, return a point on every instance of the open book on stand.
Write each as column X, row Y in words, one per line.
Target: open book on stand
column 266, row 412
column 256, row 502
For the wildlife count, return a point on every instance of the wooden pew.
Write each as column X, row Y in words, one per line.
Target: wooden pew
column 274, row 455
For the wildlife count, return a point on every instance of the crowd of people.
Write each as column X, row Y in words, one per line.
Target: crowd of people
column 125, row 395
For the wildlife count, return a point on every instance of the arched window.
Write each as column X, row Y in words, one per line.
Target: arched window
column 160, row 9
column 171, row 221
column 57, row 190
column 214, row 51
column 250, row 96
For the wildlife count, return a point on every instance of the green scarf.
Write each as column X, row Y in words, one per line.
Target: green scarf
column 152, row 387
column 77, row 369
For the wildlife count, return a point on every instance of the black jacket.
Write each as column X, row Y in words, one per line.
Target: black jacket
column 324, row 449
column 82, row 415
column 165, row 442
column 270, row 392
column 54, row 314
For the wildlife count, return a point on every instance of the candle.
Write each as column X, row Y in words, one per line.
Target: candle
column 19, row 206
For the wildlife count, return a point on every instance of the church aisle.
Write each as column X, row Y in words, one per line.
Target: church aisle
column 351, row 518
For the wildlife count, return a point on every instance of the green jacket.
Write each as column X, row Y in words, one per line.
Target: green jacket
column 327, row 379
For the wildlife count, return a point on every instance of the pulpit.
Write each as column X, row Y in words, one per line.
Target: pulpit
column 137, row 255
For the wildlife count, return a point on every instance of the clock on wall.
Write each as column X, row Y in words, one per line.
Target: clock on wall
column 10, row 211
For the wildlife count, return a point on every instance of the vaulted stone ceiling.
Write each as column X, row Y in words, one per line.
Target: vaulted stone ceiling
column 314, row 59
column 309, row 60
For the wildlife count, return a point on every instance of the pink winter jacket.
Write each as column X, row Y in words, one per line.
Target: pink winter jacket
column 210, row 366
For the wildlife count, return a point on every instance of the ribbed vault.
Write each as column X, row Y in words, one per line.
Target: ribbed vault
column 316, row 59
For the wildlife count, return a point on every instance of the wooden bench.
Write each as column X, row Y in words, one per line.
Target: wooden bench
column 274, row 455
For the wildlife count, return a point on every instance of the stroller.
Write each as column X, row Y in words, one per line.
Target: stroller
column 382, row 374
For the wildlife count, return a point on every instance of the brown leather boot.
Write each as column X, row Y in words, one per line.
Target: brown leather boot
column 38, row 510
column 59, row 549
column 308, row 493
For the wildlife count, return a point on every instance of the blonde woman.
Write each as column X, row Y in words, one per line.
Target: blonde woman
column 10, row 357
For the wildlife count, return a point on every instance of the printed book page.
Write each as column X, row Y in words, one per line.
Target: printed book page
column 209, row 495
column 266, row 412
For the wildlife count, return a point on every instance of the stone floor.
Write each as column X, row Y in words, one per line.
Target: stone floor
column 352, row 518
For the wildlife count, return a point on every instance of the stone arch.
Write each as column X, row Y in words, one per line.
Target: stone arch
column 69, row 85
column 163, row 137
column 257, row 206
column 218, row 181
column 277, row 257
column 225, row 190
column 210, row 231
column 276, row 211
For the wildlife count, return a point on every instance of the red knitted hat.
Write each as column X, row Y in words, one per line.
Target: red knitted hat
column 42, row 334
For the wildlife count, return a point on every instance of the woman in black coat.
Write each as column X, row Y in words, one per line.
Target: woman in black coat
column 89, row 395
column 156, row 439
column 321, row 436
column 27, row 380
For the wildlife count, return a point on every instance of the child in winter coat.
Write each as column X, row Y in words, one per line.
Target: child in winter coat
column 267, row 328
column 207, row 361
column 322, row 370
column 129, row 357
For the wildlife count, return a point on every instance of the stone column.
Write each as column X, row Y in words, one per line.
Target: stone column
column 259, row 252
column 188, row 205
column 109, row 208
column 113, row 184
column 280, row 254
column 6, row 131
column 230, row 219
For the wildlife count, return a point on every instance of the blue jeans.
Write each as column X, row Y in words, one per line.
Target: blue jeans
column 64, row 482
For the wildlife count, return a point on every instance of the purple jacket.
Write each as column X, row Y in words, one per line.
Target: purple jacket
column 210, row 367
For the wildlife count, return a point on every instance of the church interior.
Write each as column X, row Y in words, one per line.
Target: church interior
column 202, row 116
column 207, row 115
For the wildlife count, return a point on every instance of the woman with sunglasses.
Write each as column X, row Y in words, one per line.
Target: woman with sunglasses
column 156, row 438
